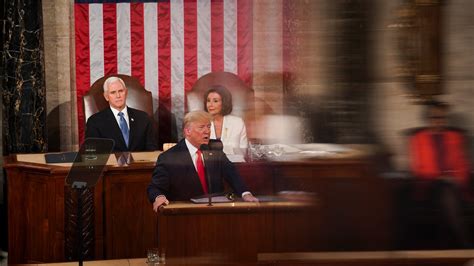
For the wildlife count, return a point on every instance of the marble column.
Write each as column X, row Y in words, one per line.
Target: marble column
column 350, row 69
column 267, row 54
column 61, row 108
column 327, row 70
column 24, row 99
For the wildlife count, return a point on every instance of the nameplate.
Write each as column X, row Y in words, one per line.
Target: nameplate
column 40, row 158
column 63, row 157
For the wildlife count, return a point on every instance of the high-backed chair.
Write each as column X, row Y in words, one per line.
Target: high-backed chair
column 242, row 95
column 138, row 97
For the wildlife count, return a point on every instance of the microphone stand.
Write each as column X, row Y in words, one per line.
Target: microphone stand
column 207, row 154
column 208, row 176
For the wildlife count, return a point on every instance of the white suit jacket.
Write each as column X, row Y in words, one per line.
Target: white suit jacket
column 234, row 134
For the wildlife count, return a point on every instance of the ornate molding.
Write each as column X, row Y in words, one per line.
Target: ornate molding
column 418, row 29
column 427, row 2
column 428, row 78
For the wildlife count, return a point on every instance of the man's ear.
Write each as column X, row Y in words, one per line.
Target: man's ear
column 106, row 96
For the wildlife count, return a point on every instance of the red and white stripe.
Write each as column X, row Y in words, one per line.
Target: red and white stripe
column 166, row 45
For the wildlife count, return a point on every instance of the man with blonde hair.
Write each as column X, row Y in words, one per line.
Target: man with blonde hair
column 179, row 172
column 131, row 129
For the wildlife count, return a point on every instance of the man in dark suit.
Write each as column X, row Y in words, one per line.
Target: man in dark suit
column 131, row 129
column 178, row 174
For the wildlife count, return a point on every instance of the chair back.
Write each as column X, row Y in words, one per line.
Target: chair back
column 242, row 95
column 138, row 97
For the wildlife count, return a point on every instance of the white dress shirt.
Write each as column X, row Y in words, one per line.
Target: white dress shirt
column 117, row 117
column 193, row 152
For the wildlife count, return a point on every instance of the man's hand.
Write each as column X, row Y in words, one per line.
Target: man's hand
column 160, row 200
column 250, row 198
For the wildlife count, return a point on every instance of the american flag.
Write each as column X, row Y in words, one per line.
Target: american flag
column 167, row 45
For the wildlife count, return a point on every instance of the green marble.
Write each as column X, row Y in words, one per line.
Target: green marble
column 23, row 92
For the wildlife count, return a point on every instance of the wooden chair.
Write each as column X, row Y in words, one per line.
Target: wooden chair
column 138, row 98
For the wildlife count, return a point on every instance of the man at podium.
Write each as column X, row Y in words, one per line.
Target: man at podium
column 180, row 172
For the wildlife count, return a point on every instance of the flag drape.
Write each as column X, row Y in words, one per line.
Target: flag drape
column 166, row 45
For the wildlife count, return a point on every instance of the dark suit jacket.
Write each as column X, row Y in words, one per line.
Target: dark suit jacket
column 104, row 125
column 176, row 177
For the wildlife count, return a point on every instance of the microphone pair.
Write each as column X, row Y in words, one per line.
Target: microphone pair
column 214, row 145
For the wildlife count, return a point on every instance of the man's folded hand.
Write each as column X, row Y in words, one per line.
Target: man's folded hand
column 250, row 198
column 159, row 201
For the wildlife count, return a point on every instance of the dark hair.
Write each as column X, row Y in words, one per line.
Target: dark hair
column 225, row 95
column 434, row 104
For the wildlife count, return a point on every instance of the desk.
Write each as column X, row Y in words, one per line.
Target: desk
column 125, row 224
column 36, row 192
column 236, row 232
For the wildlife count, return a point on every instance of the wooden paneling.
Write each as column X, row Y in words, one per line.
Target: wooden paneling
column 429, row 32
column 125, row 224
column 129, row 218
column 233, row 232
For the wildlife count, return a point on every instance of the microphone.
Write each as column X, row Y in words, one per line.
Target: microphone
column 206, row 154
column 204, row 147
column 216, row 145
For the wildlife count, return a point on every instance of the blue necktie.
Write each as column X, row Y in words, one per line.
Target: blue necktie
column 123, row 127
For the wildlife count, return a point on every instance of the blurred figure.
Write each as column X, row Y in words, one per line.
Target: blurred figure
column 280, row 129
column 438, row 152
column 440, row 165
column 228, row 128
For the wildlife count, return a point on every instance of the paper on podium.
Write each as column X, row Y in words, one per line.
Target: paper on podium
column 215, row 199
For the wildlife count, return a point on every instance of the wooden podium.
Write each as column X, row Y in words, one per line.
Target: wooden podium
column 237, row 231
column 125, row 224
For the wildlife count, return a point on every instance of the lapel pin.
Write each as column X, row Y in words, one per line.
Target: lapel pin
column 132, row 119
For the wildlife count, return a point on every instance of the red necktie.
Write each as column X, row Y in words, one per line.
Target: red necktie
column 200, row 170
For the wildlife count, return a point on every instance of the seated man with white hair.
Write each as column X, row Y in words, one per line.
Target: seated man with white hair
column 131, row 129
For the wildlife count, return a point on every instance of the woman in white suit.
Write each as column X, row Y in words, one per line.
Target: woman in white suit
column 230, row 129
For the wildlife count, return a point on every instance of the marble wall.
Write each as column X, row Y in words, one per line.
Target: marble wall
column 23, row 90
column 2, row 181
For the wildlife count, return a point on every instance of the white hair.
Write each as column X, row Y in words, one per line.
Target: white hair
column 112, row 80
